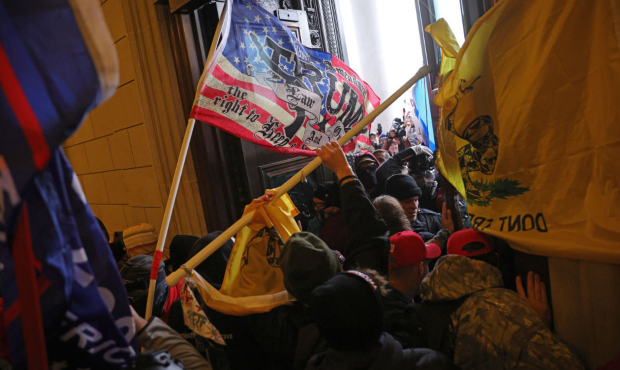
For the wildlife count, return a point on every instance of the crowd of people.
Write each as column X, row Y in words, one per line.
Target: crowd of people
column 386, row 283
column 402, row 134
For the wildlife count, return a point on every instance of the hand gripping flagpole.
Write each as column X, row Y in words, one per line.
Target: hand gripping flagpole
column 176, row 276
column 174, row 188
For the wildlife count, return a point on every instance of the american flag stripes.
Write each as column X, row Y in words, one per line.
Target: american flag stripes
column 266, row 87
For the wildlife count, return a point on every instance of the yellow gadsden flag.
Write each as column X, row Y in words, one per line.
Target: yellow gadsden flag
column 442, row 34
column 530, row 126
column 253, row 282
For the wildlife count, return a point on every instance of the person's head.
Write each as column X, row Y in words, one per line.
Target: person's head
column 393, row 148
column 473, row 244
column 381, row 155
column 349, row 312
column 424, row 179
column 409, row 259
column 307, row 262
column 326, row 199
column 365, row 167
column 140, row 239
column 365, row 160
column 213, row 268
column 382, row 138
column 116, row 246
column 392, row 213
column 373, row 137
column 179, row 249
column 406, row 191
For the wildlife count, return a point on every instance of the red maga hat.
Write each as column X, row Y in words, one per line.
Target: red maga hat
column 460, row 243
column 407, row 248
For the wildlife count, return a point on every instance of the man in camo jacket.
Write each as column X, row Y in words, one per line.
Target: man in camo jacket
column 493, row 328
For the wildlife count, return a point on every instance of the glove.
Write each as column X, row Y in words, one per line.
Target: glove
column 421, row 149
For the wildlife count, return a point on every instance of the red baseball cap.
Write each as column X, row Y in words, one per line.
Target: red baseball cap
column 407, row 248
column 458, row 243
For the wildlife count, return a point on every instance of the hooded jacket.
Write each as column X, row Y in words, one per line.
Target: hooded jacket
column 493, row 328
column 388, row 355
column 287, row 331
column 136, row 274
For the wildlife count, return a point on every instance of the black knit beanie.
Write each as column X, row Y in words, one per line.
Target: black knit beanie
column 348, row 310
column 329, row 193
column 402, row 187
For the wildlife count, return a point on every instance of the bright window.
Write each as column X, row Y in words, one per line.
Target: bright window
column 383, row 47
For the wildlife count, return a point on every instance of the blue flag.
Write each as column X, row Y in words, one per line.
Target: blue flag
column 422, row 109
column 63, row 299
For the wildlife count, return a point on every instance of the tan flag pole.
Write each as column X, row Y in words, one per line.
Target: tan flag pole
column 174, row 187
column 176, row 276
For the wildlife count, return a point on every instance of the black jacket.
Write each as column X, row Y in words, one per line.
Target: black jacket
column 391, row 167
column 368, row 244
column 387, row 355
column 420, row 325
column 427, row 224
column 397, row 324
column 288, row 331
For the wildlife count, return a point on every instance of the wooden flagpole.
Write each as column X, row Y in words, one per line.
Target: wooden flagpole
column 176, row 180
column 176, row 276
column 163, row 231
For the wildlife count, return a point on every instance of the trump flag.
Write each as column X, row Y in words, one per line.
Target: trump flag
column 529, row 131
column 63, row 301
column 264, row 86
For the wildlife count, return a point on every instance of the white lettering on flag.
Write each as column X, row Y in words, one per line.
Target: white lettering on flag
column 79, row 256
column 82, row 277
column 77, row 187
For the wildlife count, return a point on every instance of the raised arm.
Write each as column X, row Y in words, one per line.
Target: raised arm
column 395, row 164
column 367, row 241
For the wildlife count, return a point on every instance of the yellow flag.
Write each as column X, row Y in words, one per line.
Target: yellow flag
column 530, row 126
column 253, row 282
column 444, row 37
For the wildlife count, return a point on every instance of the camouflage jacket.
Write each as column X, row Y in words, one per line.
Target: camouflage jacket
column 494, row 328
